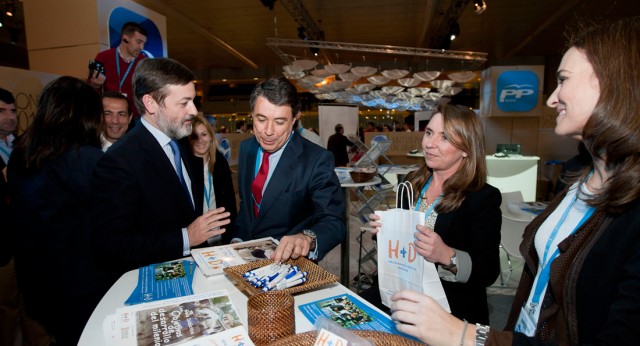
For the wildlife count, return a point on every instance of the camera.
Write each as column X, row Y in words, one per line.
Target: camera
column 95, row 66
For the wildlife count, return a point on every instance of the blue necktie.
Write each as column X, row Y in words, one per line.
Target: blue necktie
column 178, row 161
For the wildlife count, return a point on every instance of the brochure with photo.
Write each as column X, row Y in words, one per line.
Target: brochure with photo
column 350, row 312
column 163, row 281
column 203, row 319
column 213, row 260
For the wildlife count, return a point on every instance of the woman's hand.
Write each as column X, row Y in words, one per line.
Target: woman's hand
column 430, row 246
column 422, row 317
column 374, row 223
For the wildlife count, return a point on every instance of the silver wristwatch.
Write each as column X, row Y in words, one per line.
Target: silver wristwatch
column 309, row 233
column 482, row 332
column 453, row 264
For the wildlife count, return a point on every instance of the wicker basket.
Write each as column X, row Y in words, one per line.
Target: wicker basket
column 379, row 338
column 317, row 276
column 271, row 316
column 361, row 177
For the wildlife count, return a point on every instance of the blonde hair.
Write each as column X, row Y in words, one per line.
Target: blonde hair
column 213, row 143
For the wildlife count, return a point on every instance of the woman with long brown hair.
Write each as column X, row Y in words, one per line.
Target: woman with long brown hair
column 461, row 232
column 581, row 281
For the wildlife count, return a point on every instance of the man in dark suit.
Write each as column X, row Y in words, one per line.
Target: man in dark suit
column 287, row 185
column 147, row 184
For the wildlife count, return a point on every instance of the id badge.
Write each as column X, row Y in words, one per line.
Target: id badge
column 525, row 323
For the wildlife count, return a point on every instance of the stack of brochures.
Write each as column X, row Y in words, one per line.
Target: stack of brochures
column 350, row 312
column 163, row 281
column 202, row 319
column 213, row 260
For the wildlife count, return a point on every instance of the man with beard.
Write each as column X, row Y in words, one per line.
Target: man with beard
column 146, row 185
column 120, row 62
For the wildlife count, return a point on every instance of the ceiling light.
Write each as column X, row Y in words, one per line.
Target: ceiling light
column 479, row 6
column 455, row 31
column 10, row 10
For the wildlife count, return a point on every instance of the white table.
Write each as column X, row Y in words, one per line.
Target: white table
column 514, row 173
column 120, row 291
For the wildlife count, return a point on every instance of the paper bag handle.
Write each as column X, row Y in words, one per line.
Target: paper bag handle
column 402, row 187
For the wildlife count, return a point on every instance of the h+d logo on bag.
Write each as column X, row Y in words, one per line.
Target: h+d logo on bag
column 396, row 252
column 517, row 91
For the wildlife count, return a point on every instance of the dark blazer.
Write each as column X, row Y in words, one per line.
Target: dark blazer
column 55, row 270
column 475, row 228
column 303, row 193
column 6, row 247
column 593, row 297
column 223, row 187
column 139, row 206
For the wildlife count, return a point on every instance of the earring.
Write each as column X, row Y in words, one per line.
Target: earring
column 464, row 155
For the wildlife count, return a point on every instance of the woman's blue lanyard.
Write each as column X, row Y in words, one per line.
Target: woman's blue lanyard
column 423, row 193
column 547, row 260
column 118, row 68
column 207, row 194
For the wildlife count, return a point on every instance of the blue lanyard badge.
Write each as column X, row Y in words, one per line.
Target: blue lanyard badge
column 422, row 193
column 547, row 260
column 207, row 193
column 121, row 82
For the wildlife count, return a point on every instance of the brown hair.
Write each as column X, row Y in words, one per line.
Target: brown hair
column 464, row 131
column 68, row 116
column 612, row 133
column 213, row 145
column 154, row 76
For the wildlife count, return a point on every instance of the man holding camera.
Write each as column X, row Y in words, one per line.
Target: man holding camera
column 113, row 68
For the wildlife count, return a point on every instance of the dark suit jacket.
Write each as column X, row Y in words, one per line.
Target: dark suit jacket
column 55, row 266
column 303, row 193
column 6, row 248
column 223, row 187
column 139, row 205
column 475, row 228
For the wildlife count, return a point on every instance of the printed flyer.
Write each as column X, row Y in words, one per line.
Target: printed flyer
column 163, row 281
column 203, row 319
column 213, row 260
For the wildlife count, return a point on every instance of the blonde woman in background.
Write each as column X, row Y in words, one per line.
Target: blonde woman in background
column 218, row 184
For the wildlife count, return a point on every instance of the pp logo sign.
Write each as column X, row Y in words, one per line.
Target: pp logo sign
column 517, row 91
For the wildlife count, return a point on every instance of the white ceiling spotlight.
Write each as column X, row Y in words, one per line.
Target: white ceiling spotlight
column 479, row 6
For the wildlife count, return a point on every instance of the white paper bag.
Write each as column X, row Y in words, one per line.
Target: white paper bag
column 399, row 265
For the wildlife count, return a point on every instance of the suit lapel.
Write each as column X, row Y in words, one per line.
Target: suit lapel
column 195, row 169
column 248, row 176
column 157, row 158
column 278, row 182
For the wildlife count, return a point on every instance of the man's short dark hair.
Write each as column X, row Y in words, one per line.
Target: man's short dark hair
column 154, row 76
column 6, row 96
column 278, row 91
column 339, row 128
column 130, row 28
column 112, row 94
